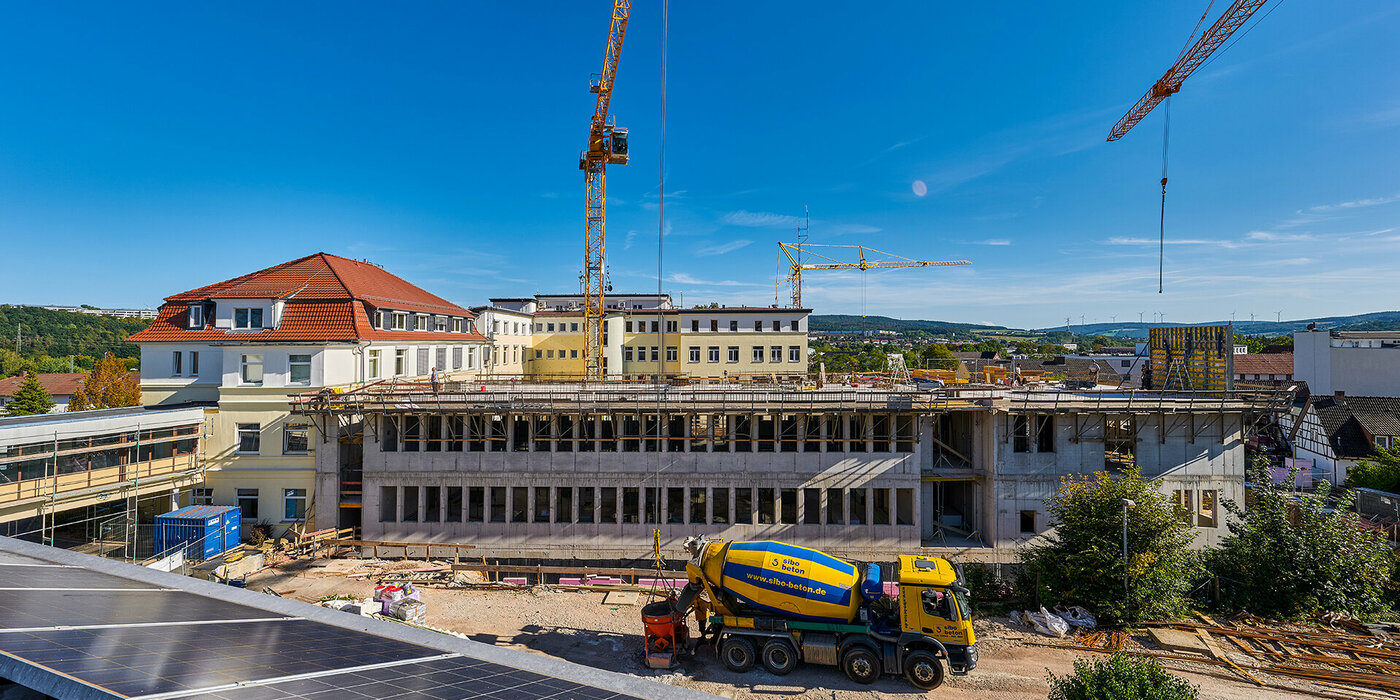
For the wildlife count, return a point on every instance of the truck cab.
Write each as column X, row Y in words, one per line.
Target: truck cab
column 933, row 604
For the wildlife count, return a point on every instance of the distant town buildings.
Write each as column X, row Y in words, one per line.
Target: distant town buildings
column 118, row 313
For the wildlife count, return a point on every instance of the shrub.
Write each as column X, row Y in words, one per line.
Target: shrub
column 1120, row 677
column 1081, row 562
column 984, row 583
column 1380, row 472
column 1293, row 554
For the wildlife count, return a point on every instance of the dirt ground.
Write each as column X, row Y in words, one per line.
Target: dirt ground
column 580, row 627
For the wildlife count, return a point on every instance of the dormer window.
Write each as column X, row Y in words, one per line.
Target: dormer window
column 196, row 316
column 400, row 322
column 440, row 324
column 249, row 318
column 420, row 322
column 456, row 325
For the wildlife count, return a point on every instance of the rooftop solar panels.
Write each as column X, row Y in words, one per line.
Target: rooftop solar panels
column 72, row 631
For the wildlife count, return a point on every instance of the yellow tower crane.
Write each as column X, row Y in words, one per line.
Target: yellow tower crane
column 607, row 144
column 796, row 266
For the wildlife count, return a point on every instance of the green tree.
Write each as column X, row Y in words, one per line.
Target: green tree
column 109, row 385
column 1381, row 472
column 1081, row 562
column 1120, row 677
column 1292, row 554
column 31, row 399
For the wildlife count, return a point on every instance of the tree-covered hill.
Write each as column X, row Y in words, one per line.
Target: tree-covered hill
column 48, row 338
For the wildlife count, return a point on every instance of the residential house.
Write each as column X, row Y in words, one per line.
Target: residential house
column 1338, row 431
column 60, row 385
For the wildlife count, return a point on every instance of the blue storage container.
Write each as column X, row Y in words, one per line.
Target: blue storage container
column 204, row 531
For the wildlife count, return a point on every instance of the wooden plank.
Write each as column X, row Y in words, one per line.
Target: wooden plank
column 1217, row 653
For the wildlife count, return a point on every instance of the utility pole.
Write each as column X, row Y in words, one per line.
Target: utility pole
column 18, row 328
column 1278, row 317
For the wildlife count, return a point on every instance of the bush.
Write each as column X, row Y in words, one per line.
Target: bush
column 1081, row 562
column 1380, row 472
column 1120, row 677
column 1293, row 554
column 984, row 583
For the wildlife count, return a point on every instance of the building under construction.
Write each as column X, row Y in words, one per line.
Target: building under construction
column 587, row 472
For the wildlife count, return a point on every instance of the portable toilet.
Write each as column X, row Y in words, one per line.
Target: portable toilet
column 204, row 531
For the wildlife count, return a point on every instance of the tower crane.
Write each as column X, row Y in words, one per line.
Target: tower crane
column 607, row 145
column 1169, row 84
column 795, row 266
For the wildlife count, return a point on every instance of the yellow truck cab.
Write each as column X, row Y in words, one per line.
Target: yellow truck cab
column 932, row 603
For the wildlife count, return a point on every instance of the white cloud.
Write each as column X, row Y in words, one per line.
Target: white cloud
column 1271, row 236
column 1357, row 204
column 722, row 248
column 993, row 241
column 683, row 278
column 759, row 219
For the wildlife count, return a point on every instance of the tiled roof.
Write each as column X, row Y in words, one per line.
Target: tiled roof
column 1275, row 363
column 1344, row 422
column 57, row 384
column 325, row 276
column 327, row 298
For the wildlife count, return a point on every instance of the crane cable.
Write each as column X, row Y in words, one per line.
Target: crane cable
column 657, row 561
column 1162, row 217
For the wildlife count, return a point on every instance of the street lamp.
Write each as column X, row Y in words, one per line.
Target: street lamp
column 1126, row 505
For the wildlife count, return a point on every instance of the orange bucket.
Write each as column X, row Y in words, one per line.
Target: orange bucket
column 665, row 627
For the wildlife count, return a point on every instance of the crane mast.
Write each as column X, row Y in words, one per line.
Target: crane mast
column 607, row 144
column 796, row 266
column 1238, row 13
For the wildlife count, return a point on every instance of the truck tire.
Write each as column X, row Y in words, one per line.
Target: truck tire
column 861, row 665
column 779, row 657
column 738, row 654
column 923, row 670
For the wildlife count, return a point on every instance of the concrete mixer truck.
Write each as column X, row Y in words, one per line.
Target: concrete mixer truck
column 779, row 605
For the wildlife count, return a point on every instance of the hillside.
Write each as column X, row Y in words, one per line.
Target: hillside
column 1378, row 321
column 63, row 333
column 848, row 322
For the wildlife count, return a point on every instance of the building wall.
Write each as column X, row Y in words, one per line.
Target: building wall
column 1358, row 371
column 511, row 336
column 558, row 345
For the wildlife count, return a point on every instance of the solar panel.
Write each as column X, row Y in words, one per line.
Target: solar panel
column 34, row 608
column 62, row 577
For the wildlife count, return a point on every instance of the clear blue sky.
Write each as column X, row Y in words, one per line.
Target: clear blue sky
column 149, row 148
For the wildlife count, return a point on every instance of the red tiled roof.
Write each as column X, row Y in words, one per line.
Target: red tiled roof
column 325, row 276
column 1273, row 363
column 327, row 298
column 301, row 320
column 57, row 384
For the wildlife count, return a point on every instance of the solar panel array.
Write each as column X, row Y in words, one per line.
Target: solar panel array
column 128, row 639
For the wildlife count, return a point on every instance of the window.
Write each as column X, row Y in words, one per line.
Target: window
column 775, row 353
column 881, row 514
column 765, row 506
column 672, row 353
column 542, row 504
column 498, row 504
column 400, row 322
column 1206, row 515
column 655, row 353
column 175, row 367
column 675, row 505
column 194, row 364
column 573, row 354
column 1383, row 441
column 454, row 504
column 432, row 504
column 794, row 353
column 400, row 361
column 714, row 353
column 519, row 504
column 299, row 369
column 251, row 369
column 573, row 327
column 539, row 354
column 1045, row 433
column 714, row 325
column 196, row 316
column 835, row 507
column 585, row 504
column 420, row 322
column 1028, row 522
column 904, row 506
column 410, row 504
column 249, row 438
column 549, row 327
column 390, row 441
column 456, row 325
column 421, row 366
column 777, row 325
column 811, row 506
column 695, row 325
column 694, row 352
column 248, row 318
column 743, row 505
column 733, row 353
column 758, row 353
column 734, row 325
column 476, row 504
column 388, row 504
column 652, row 512
column 697, row 505
column 795, row 325
column 1125, row 363
column 627, row 326
column 627, row 353
column 293, row 504
column 758, row 326
column 787, row 506
column 248, row 504
column 720, row 507
column 858, row 513
column 607, row 505
column 202, row 496
column 1183, row 500
column 631, row 505
column 374, row 364
column 296, row 439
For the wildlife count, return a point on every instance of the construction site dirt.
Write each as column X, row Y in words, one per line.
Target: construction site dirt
column 579, row 626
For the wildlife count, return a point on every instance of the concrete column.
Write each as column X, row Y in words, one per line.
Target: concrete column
column 554, row 432
column 685, row 438
column 753, row 432
column 869, row 436
column 824, row 426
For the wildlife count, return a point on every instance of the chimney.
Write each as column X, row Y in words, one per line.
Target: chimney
column 1339, row 396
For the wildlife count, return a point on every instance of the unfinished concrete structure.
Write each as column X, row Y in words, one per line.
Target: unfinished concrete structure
column 575, row 472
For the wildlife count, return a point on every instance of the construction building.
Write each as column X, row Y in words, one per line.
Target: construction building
column 314, row 322
column 588, row 472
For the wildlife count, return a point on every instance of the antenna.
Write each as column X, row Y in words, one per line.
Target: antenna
column 1278, row 316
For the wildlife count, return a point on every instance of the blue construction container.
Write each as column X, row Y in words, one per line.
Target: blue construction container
column 206, row 531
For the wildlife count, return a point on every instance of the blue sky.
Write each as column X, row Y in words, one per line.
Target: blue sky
column 150, row 148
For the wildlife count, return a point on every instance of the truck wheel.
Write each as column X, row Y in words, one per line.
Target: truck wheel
column 738, row 654
column 779, row 657
column 923, row 670
column 861, row 665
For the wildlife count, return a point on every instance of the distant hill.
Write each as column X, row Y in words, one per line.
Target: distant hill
column 1378, row 321
column 846, row 322
column 63, row 333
